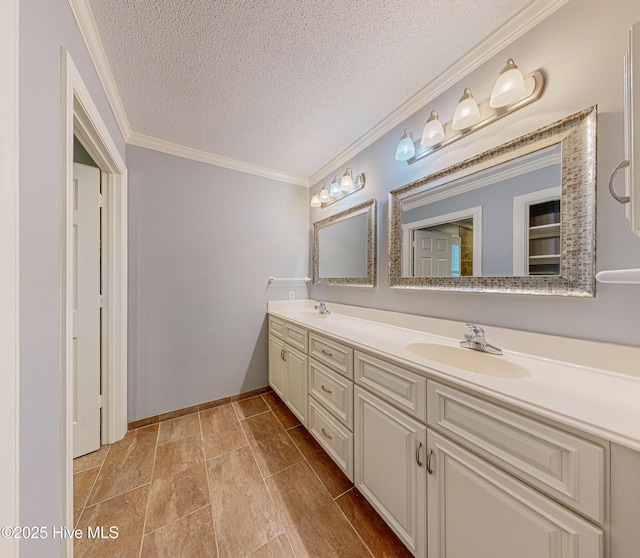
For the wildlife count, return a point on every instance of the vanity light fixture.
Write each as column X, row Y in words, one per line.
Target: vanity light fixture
column 433, row 132
column 334, row 189
column 511, row 92
column 467, row 112
column 509, row 86
column 339, row 188
column 405, row 149
column 346, row 183
column 324, row 195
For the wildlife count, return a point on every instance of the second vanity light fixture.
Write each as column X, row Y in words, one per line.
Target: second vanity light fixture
column 339, row 188
column 511, row 91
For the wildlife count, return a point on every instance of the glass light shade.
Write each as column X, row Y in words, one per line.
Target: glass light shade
column 324, row 195
column 467, row 112
column 406, row 149
column 433, row 132
column 346, row 184
column 509, row 86
column 315, row 200
column 334, row 189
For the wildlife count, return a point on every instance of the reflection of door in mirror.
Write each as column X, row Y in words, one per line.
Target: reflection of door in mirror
column 444, row 246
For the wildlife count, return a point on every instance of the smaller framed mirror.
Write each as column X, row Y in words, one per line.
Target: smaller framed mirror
column 344, row 248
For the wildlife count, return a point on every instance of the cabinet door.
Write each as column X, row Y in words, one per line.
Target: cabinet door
column 295, row 394
column 276, row 365
column 477, row 510
column 389, row 467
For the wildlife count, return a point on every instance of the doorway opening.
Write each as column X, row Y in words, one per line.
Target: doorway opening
column 81, row 120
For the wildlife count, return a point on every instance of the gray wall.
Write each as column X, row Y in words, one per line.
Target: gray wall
column 343, row 247
column 580, row 49
column 45, row 27
column 203, row 241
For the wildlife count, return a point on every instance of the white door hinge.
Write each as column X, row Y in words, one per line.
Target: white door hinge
column 100, row 301
column 100, row 200
column 103, row 401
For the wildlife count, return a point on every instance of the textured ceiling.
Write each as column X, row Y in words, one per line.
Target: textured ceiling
column 286, row 84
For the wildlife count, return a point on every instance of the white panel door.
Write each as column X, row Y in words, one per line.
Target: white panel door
column 86, row 309
column 476, row 510
column 431, row 254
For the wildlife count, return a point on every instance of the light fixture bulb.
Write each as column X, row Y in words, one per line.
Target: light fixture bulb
column 433, row 132
column 509, row 86
column 467, row 112
column 406, row 149
column 346, row 184
column 334, row 189
column 324, row 195
column 315, row 200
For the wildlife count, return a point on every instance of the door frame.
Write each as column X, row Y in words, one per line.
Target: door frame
column 81, row 117
column 9, row 275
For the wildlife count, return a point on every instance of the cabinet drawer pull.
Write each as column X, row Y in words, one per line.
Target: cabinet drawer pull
column 326, row 353
column 418, row 454
column 326, row 435
column 325, row 389
column 429, row 469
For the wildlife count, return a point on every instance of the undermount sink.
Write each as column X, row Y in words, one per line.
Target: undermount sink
column 312, row 314
column 470, row 360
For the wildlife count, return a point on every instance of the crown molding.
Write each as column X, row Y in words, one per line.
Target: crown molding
column 164, row 146
column 89, row 30
column 502, row 37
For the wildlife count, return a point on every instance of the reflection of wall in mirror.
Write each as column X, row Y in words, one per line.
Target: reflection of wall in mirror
column 497, row 210
column 342, row 248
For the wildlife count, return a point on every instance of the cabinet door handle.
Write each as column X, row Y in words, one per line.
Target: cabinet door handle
column 326, row 353
column 284, row 355
column 429, row 469
column 325, row 389
column 327, row 435
column 418, row 454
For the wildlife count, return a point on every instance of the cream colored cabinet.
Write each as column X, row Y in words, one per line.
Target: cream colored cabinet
column 390, row 467
column 288, row 365
column 276, row 365
column 476, row 509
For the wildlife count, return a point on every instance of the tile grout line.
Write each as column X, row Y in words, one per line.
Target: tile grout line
column 264, row 481
column 119, row 494
column 146, row 508
column 348, row 490
column 354, row 529
column 84, row 506
column 176, row 520
column 206, row 471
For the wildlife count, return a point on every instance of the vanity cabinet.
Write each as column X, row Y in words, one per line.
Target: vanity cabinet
column 288, row 365
column 489, row 477
column 475, row 509
column 331, row 399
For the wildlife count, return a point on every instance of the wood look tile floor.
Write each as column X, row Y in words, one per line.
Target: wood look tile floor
column 243, row 479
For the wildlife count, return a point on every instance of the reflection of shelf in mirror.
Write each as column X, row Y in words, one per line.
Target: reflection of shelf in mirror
column 546, row 258
column 545, row 231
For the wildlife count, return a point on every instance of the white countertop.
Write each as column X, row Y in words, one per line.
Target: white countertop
column 603, row 401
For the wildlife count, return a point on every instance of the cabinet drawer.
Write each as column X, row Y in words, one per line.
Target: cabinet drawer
column 334, row 391
column 276, row 327
column 566, row 467
column 333, row 354
column 332, row 436
column 402, row 388
column 296, row 337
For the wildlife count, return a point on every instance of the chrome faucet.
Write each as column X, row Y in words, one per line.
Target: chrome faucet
column 322, row 307
column 476, row 341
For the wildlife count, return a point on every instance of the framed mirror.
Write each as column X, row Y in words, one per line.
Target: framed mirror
column 344, row 248
column 518, row 219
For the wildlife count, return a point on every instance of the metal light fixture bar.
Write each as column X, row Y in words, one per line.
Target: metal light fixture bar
column 358, row 184
column 534, row 84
